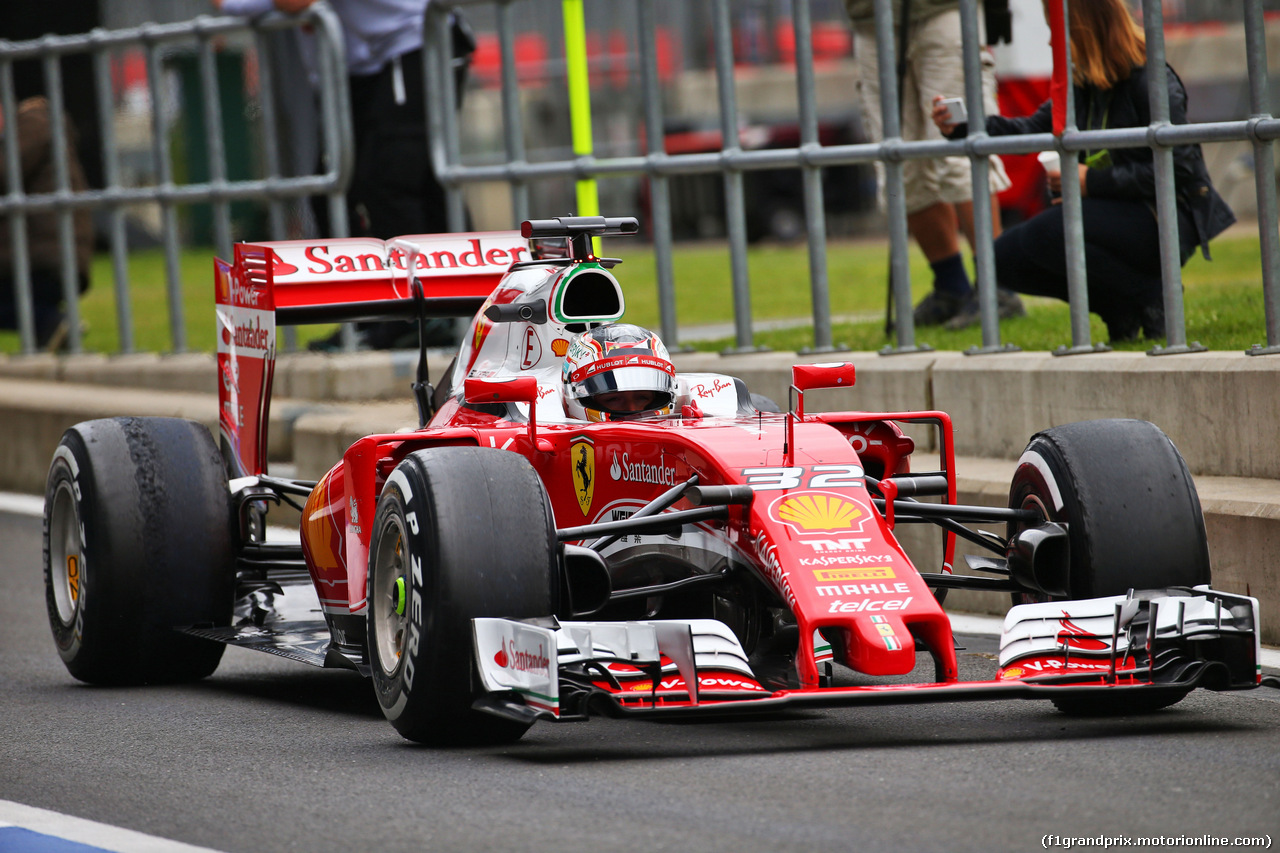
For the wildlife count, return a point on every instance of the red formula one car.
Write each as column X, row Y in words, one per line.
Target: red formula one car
column 537, row 550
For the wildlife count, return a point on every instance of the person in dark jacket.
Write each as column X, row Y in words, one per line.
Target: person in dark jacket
column 34, row 126
column 1121, row 235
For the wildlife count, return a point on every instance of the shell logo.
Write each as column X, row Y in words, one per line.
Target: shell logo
column 1011, row 673
column 812, row 512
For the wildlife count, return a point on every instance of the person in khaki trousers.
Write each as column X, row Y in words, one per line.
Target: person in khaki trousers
column 939, row 192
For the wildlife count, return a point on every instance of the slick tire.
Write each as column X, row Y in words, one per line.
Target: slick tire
column 138, row 540
column 1133, row 522
column 459, row 533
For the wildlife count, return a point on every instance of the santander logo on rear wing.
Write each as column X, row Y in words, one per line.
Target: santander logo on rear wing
column 294, row 282
column 455, row 270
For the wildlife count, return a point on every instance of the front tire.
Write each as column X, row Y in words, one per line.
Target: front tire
column 1133, row 521
column 138, row 540
column 460, row 533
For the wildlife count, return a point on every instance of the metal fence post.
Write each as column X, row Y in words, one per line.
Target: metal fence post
column 271, row 159
column 734, row 197
column 983, row 226
column 512, row 120
column 66, row 216
column 659, row 191
column 18, row 216
column 1072, row 216
column 168, row 216
column 811, row 174
column 115, row 212
column 457, row 210
column 895, row 200
column 211, row 92
column 1175, row 325
column 339, row 148
column 1264, row 173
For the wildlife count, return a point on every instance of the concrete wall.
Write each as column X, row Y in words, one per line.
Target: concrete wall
column 1220, row 408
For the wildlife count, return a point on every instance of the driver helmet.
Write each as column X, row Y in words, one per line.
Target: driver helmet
column 616, row 372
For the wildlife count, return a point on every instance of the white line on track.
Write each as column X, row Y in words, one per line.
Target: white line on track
column 961, row 623
column 59, row 828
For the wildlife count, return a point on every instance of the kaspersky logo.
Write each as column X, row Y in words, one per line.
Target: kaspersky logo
column 819, row 512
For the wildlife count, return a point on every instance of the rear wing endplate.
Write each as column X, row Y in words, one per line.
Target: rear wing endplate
column 296, row 282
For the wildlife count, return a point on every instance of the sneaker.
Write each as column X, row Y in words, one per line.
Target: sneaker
column 1008, row 304
column 937, row 308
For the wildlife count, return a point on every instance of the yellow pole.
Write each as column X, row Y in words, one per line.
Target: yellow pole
column 575, row 55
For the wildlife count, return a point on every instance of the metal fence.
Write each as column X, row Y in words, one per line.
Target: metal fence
column 201, row 37
column 810, row 157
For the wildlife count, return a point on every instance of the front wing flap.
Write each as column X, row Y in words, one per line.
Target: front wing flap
column 1140, row 637
column 1182, row 638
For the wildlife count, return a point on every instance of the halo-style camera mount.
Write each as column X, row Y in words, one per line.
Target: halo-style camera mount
column 579, row 230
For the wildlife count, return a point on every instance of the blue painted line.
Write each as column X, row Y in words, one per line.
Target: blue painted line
column 15, row 839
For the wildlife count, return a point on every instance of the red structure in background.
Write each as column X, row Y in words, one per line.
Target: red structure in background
column 1025, row 197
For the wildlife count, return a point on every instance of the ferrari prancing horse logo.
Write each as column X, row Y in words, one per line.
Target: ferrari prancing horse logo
column 582, row 458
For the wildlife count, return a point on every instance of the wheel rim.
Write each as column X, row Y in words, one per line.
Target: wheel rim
column 390, row 579
column 66, row 556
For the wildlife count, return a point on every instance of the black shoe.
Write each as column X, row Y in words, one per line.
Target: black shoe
column 1008, row 304
column 938, row 307
column 1123, row 328
column 1153, row 321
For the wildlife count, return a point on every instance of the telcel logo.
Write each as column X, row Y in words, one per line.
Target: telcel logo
column 870, row 606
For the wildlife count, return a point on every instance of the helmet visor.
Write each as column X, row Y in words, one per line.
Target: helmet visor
column 625, row 373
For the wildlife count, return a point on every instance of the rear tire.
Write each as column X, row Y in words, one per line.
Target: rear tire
column 138, row 540
column 460, row 533
column 1133, row 522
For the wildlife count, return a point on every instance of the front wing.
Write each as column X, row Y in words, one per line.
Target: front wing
column 1156, row 640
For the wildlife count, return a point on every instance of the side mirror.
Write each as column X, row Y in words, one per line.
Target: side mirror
column 829, row 375
column 806, row 377
column 509, row 389
column 514, row 389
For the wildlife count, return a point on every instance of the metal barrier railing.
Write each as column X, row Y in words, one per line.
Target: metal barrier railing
column 810, row 157
column 219, row 191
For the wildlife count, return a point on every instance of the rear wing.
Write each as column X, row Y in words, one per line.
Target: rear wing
column 296, row 282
